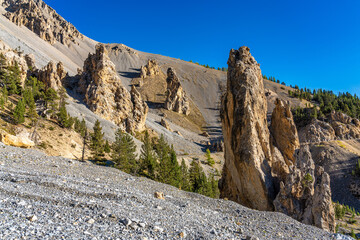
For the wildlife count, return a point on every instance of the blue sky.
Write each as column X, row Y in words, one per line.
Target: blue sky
column 309, row 43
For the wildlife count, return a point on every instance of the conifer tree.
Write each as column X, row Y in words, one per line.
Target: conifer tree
column 97, row 142
column 175, row 170
column 107, row 148
column 162, row 150
column 209, row 159
column 19, row 112
column 147, row 158
column 123, row 154
column 185, row 185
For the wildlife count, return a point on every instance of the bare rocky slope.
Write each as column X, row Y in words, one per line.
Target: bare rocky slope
column 45, row 197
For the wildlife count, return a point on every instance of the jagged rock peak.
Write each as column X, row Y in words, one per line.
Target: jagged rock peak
column 52, row 75
column 105, row 95
column 176, row 99
column 306, row 195
column 151, row 68
column 42, row 20
column 284, row 132
column 247, row 174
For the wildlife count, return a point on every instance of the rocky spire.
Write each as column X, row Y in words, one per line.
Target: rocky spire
column 176, row 99
column 247, row 173
column 258, row 163
column 105, row 95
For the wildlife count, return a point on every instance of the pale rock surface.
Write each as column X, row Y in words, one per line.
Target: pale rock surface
column 20, row 140
column 176, row 99
column 52, row 75
column 247, row 175
column 284, row 131
column 151, row 68
column 42, row 20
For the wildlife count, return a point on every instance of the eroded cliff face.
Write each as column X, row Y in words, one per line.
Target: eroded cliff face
column 176, row 99
column 247, row 171
column 104, row 94
column 306, row 194
column 284, row 132
column 151, row 68
column 42, row 20
column 52, row 75
column 258, row 163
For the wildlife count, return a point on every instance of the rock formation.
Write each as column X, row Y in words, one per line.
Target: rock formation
column 247, row 173
column 176, row 99
column 257, row 163
column 306, row 195
column 42, row 20
column 21, row 140
column 150, row 69
column 284, row 131
column 52, row 75
column 14, row 57
column 165, row 124
column 339, row 126
column 104, row 94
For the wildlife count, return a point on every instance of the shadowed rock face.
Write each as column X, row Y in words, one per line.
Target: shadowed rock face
column 247, row 173
column 42, row 20
column 176, row 99
column 284, row 131
column 258, row 163
column 105, row 95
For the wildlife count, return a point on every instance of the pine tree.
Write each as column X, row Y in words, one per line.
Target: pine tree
column 175, row 170
column 107, row 147
column 162, row 150
column 185, row 185
column 123, row 154
column 19, row 112
column 50, row 100
column 97, row 142
column 63, row 117
column 209, row 159
column 147, row 158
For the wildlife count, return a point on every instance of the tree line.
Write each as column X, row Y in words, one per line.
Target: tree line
column 157, row 161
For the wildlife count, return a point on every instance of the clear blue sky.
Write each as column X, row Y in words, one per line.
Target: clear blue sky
column 310, row 43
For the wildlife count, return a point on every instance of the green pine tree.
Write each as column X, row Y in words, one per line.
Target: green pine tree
column 147, row 158
column 123, row 154
column 107, row 148
column 209, row 159
column 185, row 185
column 19, row 112
column 97, row 142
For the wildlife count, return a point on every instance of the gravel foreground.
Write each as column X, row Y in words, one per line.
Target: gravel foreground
column 45, row 197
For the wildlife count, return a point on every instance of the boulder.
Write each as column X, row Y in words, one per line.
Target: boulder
column 176, row 99
column 21, row 140
column 165, row 124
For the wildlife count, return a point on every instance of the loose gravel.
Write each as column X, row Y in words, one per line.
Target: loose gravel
column 45, row 197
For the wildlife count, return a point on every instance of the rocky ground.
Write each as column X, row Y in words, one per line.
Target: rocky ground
column 45, row 197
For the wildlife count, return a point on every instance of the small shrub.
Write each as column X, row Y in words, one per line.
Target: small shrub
column 51, row 128
column 73, row 145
